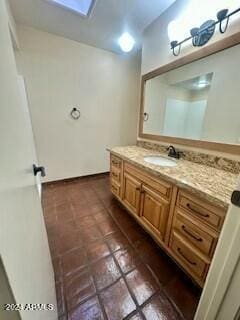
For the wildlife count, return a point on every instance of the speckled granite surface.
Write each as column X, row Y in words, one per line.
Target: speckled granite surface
column 198, row 157
column 208, row 183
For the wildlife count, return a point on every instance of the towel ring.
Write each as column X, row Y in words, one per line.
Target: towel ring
column 145, row 116
column 75, row 114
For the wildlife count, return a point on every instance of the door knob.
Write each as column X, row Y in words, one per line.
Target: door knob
column 39, row 169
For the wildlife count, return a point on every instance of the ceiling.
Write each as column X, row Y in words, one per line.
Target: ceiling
column 193, row 84
column 108, row 20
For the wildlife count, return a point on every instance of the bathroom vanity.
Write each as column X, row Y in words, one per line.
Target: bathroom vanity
column 182, row 207
column 182, row 203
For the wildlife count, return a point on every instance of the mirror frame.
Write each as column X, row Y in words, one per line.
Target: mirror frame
column 217, row 46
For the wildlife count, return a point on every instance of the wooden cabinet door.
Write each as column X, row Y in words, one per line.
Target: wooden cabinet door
column 131, row 193
column 154, row 211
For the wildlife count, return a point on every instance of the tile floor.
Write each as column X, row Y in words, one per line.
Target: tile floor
column 106, row 266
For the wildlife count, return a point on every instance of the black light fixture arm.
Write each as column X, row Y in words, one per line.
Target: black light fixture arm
column 202, row 35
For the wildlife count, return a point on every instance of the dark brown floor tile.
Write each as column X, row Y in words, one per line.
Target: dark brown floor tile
column 86, row 221
column 137, row 317
column 62, row 229
column 121, row 216
column 61, row 200
column 50, row 216
column 160, row 308
column 116, row 241
column 162, row 267
column 90, row 234
column 60, row 299
column 89, row 310
column 74, row 261
column 101, row 216
column 87, row 209
column 53, row 250
column 49, row 207
column 117, row 301
column 105, row 272
column 184, row 294
column 142, row 283
column 146, row 247
column 64, row 212
column 57, row 267
column 69, row 242
column 108, row 227
column 81, row 210
column 97, row 250
column 79, row 287
column 134, row 233
column 127, row 259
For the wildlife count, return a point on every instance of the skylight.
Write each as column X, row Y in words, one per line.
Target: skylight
column 82, row 7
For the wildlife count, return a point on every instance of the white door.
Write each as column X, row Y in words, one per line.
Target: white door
column 230, row 307
column 220, row 297
column 24, row 247
column 24, row 104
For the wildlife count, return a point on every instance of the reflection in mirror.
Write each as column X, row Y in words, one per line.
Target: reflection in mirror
column 197, row 101
column 186, row 106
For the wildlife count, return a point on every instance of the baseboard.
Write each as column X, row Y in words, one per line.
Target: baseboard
column 75, row 179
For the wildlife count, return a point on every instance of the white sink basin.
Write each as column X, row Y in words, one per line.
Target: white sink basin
column 160, row 161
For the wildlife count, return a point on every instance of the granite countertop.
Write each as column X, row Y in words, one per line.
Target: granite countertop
column 208, row 183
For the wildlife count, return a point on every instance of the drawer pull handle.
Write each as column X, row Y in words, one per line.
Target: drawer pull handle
column 189, row 261
column 138, row 189
column 197, row 212
column 114, row 175
column 191, row 235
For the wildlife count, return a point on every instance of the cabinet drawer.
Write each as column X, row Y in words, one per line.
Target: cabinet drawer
column 116, row 174
column 194, row 234
column 159, row 185
column 201, row 210
column 188, row 257
column 115, row 189
column 116, row 162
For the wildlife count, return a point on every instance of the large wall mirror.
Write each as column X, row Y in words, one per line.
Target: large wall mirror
column 196, row 104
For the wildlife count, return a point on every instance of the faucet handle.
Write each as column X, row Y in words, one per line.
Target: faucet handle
column 181, row 153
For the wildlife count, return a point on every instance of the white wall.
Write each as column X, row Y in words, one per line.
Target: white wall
column 61, row 74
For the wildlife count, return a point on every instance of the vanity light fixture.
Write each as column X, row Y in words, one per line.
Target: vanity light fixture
column 200, row 36
column 126, row 42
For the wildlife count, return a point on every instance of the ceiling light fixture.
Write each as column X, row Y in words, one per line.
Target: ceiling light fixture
column 126, row 42
column 201, row 84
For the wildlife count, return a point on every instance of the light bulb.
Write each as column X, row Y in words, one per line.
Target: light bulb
column 126, row 42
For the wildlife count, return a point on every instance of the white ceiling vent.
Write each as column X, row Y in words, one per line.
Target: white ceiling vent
column 81, row 7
